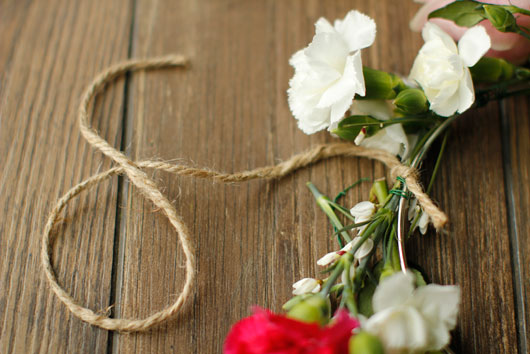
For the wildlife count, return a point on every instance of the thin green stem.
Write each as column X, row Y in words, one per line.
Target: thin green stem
column 438, row 161
column 523, row 33
column 401, row 120
column 517, row 9
column 325, row 204
column 343, row 193
column 332, row 279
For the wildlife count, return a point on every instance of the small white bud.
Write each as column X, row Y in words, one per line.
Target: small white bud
column 328, row 259
column 306, row 285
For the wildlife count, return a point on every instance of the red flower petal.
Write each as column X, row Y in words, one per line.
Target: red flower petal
column 269, row 333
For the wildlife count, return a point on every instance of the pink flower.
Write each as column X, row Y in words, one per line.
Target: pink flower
column 265, row 332
column 509, row 46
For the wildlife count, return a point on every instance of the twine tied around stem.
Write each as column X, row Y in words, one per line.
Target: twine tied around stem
column 134, row 170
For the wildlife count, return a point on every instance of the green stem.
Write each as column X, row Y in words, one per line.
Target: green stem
column 438, row 161
column 391, row 239
column 332, row 279
column 517, row 9
column 523, row 33
column 343, row 193
column 380, row 190
column 324, row 204
column 401, row 120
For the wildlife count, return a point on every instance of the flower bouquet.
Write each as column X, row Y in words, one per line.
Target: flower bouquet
column 369, row 299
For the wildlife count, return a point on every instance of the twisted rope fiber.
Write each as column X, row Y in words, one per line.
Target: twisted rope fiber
column 148, row 187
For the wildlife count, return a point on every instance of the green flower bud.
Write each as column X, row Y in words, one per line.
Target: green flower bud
column 365, row 343
column 381, row 85
column 315, row 309
column 502, row 19
column 412, row 101
column 492, row 70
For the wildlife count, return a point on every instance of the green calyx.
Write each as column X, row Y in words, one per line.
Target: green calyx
column 313, row 309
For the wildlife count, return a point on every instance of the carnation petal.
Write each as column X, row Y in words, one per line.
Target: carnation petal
column 344, row 88
column 473, row 45
column 431, row 32
column 379, row 109
column 439, row 303
column 360, row 88
column 399, row 328
column 393, row 291
column 338, row 110
column 447, row 107
column 382, row 141
column 323, row 26
column 330, row 49
column 466, row 92
column 439, row 307
column 357, row 29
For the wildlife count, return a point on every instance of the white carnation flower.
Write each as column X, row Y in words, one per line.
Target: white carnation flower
column 413, row 320
column 328, row 73
column 441, row 68
column 306, row 285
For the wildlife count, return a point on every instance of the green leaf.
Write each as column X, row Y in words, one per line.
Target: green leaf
column 350, row 127
column 466, row 13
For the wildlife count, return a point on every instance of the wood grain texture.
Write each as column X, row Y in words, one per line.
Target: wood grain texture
column 227, row 111
column 516, row 131
column 49, row 51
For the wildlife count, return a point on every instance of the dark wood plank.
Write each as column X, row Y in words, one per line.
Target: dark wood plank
column 254, row 240
column 475, row 253
column 516, row 130
column 49, row 51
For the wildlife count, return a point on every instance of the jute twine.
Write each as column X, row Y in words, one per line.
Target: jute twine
column 150, row 190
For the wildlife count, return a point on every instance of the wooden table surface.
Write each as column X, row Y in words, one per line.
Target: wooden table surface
column 227, row 111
